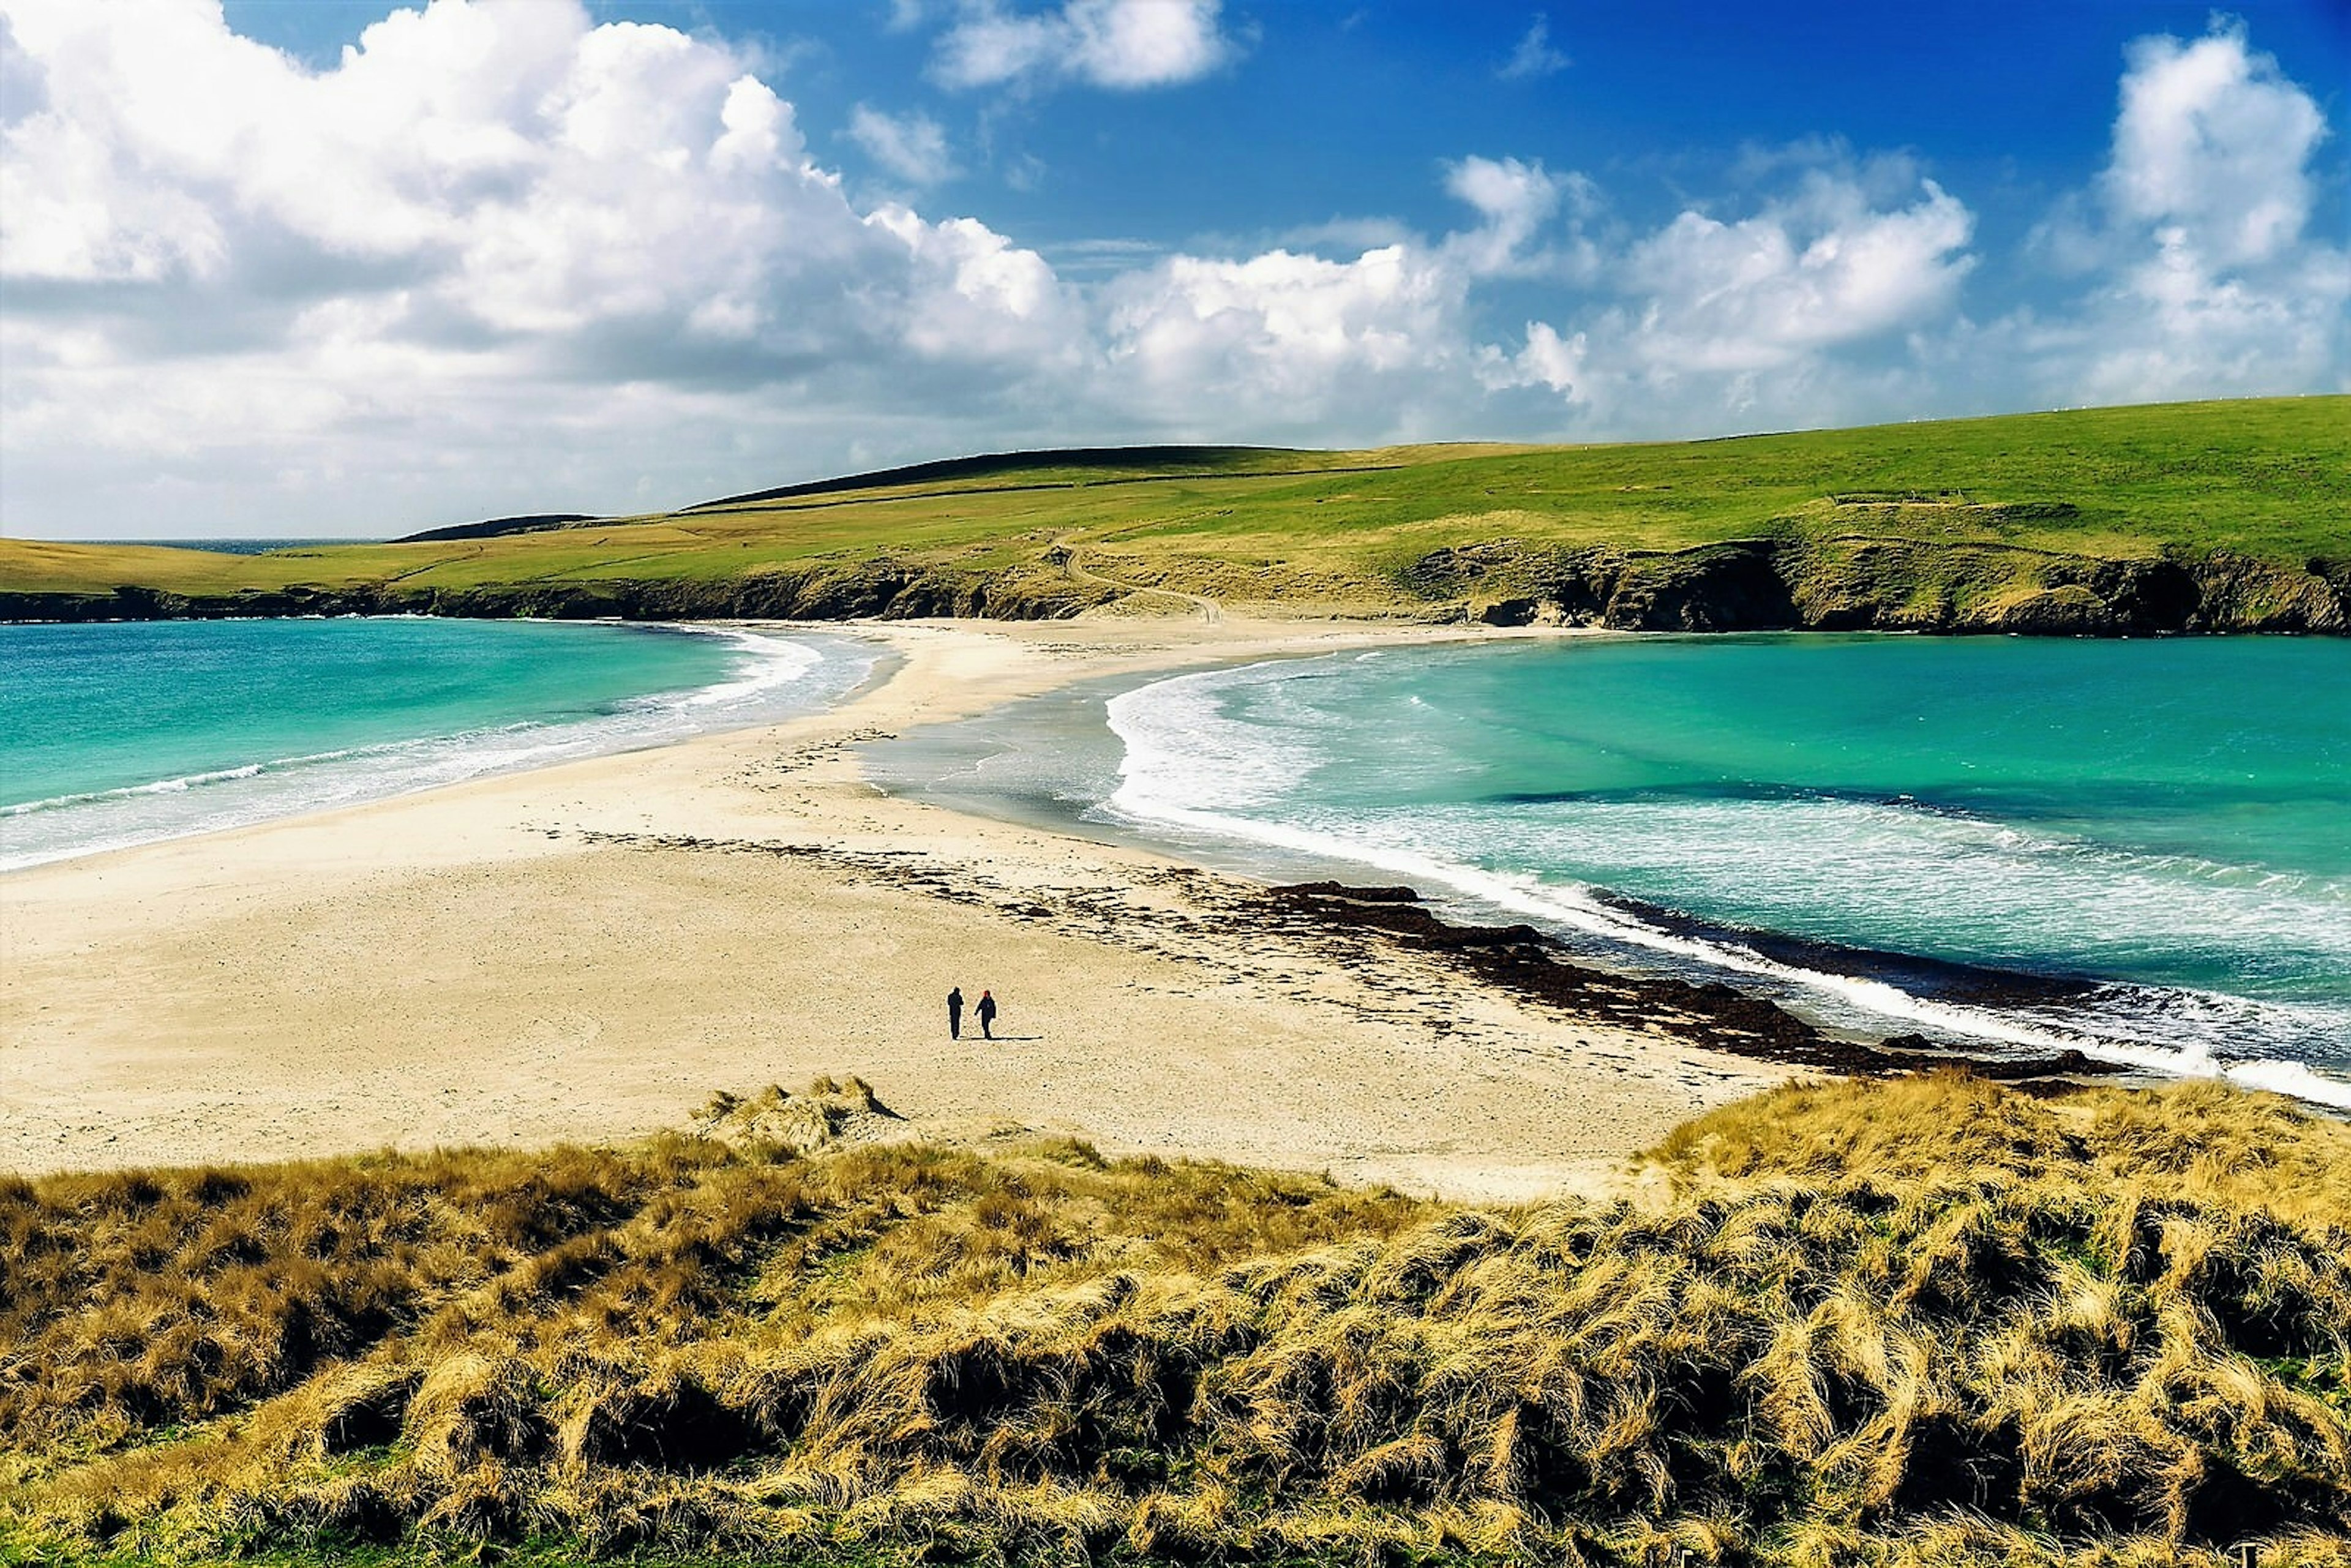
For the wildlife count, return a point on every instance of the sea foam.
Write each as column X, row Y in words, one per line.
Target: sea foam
column 1194, row 769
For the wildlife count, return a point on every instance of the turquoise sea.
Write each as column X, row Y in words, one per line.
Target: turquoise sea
column 124, row 733
column 2142, row 848
column 2139, row 847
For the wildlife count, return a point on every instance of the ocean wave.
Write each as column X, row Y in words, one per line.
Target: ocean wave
column 772, row 664
column 1191, row 767
column 2018, row 896
column 1179, row 745
column 2008, row 836
column 159, row 786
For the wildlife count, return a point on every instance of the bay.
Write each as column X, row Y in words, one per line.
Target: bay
column 2139, row 848
column 121, row 733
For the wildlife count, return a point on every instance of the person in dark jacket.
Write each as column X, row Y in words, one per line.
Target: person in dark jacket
column 987, row 1015
column 955, row 1013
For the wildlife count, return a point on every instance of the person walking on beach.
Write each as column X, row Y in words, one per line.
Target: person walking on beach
column 987, row 1015
column 955, row 1013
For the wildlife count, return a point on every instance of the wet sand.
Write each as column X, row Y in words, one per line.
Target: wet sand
column 587, row 952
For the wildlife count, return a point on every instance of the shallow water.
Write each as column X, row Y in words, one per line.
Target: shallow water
column 125, row 733
column 2140, row 848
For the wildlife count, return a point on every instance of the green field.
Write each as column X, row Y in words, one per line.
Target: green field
column 2219, row 515
column 1926, row 1322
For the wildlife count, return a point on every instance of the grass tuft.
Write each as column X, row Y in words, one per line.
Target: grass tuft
column 1920, row 1322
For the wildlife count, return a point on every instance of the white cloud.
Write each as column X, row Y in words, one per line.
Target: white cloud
column 1381, row 346
column 499, row 258
column 2174, row 328
column 2212, row 142
column 1799, row 313
column 1547, row 359
column 912, row 147
column 1822, row 269
column 1283, row 340
column 1516, row 201
column 2203, row 277
column 1534, row 56
column 490, row 229
column 1513, row 198
column 1121, row 44
column 980, row 298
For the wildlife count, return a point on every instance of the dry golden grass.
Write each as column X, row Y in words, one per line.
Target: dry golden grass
column 2204, row 1140
column 1926, row 1322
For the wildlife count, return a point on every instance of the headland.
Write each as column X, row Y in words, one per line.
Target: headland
column 2189, row 517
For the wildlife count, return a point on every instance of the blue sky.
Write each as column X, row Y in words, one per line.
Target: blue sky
column 2014, row 101
column 289, row 267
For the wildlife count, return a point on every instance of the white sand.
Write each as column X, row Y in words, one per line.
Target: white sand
column 476, row 965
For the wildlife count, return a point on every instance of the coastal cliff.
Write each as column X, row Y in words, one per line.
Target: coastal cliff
column 1854, row 585
column 1744, row 585
column 2192, row 517
column 883, row 591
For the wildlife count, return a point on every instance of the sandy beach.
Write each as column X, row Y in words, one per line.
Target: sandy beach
column 587, row 952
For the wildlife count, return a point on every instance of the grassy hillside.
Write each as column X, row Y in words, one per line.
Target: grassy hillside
column 1923, row 1322
column 2205, row 516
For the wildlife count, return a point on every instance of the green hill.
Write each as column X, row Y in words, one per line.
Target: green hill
column 2192, row 516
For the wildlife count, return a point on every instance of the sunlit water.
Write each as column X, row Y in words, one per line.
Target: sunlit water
column 2140, row 848
column 125, row 733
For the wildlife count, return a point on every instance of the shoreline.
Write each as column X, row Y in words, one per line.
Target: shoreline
column 1061, row 763
column 365, row 771
column 522, row 959
column 539, row 843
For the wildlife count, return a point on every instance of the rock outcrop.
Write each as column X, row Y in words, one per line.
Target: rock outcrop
column 822, row 592
column 1795, row 583
column 1782, row 583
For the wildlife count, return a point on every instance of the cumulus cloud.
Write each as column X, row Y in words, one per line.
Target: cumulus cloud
column 980, row 299
column 1547, row 359
column 500, row 258
column 912, row 147
column 1534, row 56
column 1706, row 322
column 1514, row 199
column 481, row 213
column 1516, row 237
column 1815, row 271
column 1380, row 345
column 1283, row 340
column 2212, row 141
column 2204, row 276
column 1120, row 44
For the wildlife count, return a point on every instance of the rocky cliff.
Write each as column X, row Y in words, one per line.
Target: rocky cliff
column 1862, row 584
column 879, row 590
column 1794, row 582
